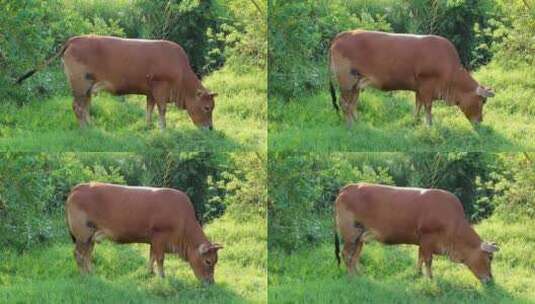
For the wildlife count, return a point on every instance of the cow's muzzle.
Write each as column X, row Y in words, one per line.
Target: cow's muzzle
column 486, row 280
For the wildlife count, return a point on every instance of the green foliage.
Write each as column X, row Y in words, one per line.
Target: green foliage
column 244, row 32
column 302, row 190
column 515, row 31
column 516, row 187
column 299, row 36
column 32, row 191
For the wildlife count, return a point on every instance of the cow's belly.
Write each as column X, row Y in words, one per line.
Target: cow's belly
column 121, row 87
column 122, row 237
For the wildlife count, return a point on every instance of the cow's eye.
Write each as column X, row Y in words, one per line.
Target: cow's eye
column 206, row 109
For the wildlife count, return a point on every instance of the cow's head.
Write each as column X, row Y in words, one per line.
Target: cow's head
column 471, row 97
column 479, row 261
column 200, row 108
column 203, row 262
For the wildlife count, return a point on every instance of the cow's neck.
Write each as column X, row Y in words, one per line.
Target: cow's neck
column 464, row 242
column 460, row 83
column 190, row 86
column 189, row 243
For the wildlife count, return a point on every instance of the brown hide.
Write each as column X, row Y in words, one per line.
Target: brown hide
column 427, row 65
column 159, row 69
column 161, row 217
column 430, row 218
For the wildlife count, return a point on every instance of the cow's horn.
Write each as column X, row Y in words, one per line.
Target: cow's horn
column 484, row 92
column 204, row 248
column 489, row 247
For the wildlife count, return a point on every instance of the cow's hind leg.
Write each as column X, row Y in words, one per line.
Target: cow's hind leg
column 352, row 236
column 81, row 82
column 152, row 260
column 150, row 108
column 82, row 253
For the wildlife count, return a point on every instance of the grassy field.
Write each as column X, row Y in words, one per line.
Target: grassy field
column 389, row 273
column 49, row 275
column 50, row 125
column 386, row 121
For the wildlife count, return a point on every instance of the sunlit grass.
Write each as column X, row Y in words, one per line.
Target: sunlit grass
column 389, row 273
column 386, row 121
column 50, row 125
column 49, row 275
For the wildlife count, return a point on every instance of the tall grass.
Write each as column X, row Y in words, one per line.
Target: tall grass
column 388, row 273
column 117, row 125
column 386, row 121
column 49, row 274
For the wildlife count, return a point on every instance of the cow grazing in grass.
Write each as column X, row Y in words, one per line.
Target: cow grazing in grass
column 430, row 218
column 158, row 69
column 161, row 217
column 428, row 65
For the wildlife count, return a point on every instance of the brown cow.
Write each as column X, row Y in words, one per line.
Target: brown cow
column 430, row 218
column 158, row 69
column 161, row 217
column 427, row 65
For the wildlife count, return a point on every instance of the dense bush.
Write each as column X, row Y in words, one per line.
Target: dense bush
column 300, row 33
column 34, row 187
column 302, row 189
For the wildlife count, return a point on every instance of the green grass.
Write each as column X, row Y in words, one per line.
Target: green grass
column 386, row 121
column 388, row 273
column 50, row 124
column 49, row 274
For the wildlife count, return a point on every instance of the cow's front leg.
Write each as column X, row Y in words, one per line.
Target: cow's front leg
column 417, row 110
column 161, row 113
column 158, row 244
column 150, row 109
column 420, row 261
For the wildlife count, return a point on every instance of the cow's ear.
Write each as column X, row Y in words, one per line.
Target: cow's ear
column 213, row 95
column 217, row 246
column 489, row 247
column 205, row 248
column 484, row 92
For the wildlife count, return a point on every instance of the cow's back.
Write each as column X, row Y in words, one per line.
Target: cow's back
column 124, row 212
column 399, row 215
column 397, row 61
column 125, row 64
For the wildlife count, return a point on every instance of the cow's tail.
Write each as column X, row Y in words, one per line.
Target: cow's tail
column 44, row 64
column 336, row 239
column 67, row 216
column 331, row 84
